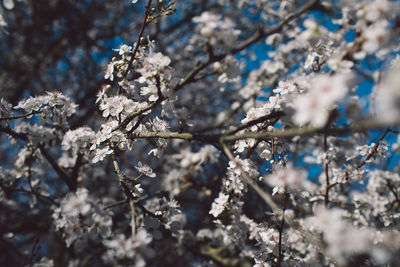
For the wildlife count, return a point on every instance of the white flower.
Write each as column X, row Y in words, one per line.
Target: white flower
column 255, row 113
column 110, row 71
column 374, row 10
column 387, row 96
column 150, row 90
column 8, row 4
column 78, row 138
column 269, row 237
column 122, row 247
column 314, row 106
column 160, row 125
column 158, row 60
column 308, row 109
column 32, row 103
column 100, row 154
column 216, row 29
column 230, row 70
column 219, row 204
column 286, row 177
column 284, row 87
column 375, row 36
column 76, row 203
column 123, row 49
column 145, row 169
column 114, row 106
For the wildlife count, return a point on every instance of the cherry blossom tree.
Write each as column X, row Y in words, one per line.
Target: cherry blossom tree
column 200, row 133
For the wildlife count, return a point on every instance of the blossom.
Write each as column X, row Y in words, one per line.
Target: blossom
column 8, row 4
column 100, row 154
column 154, row 64
column 230, row 69
column 54, row 106
column 160, row 125
column 375, row 10
column 215, row 29
column 387, row 96
column 145, row 169
column 219, row 204
column 158, row 60
column 110, row 71
column 116, row 105
column 314, row 106
column 375, row 36
column 78, row 138
column 32, row 103
column 341, row 237
column 122, row 247
column 150, row 90
column 76, row 203
column 124, row 49
column 286, row 177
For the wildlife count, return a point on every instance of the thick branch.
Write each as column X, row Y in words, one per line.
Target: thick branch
column 286, row 133
column 307, row 131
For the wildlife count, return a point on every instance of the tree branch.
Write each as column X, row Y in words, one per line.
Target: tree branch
column 144, row 23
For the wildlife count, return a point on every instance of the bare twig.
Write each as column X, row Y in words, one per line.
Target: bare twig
column 144, row 23
column 118, row 203
column 326, row 170
column 280, row 254
column 19, row 116
column 127, row 192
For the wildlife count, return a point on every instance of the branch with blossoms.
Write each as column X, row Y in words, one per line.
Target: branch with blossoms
column 287, row 133
column 237, row 132
column 190, row 77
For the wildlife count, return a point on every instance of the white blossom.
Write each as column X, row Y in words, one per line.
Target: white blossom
column 219, row 204
column 101, row 153
column 145, row 169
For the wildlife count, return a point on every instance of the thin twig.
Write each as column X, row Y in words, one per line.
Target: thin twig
column 19, row 116
column 280, row 254
column 326, row 170
column 144, row 23
column 273, row 115
column 118, row 203
column 127, row 192
column 374, row 150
